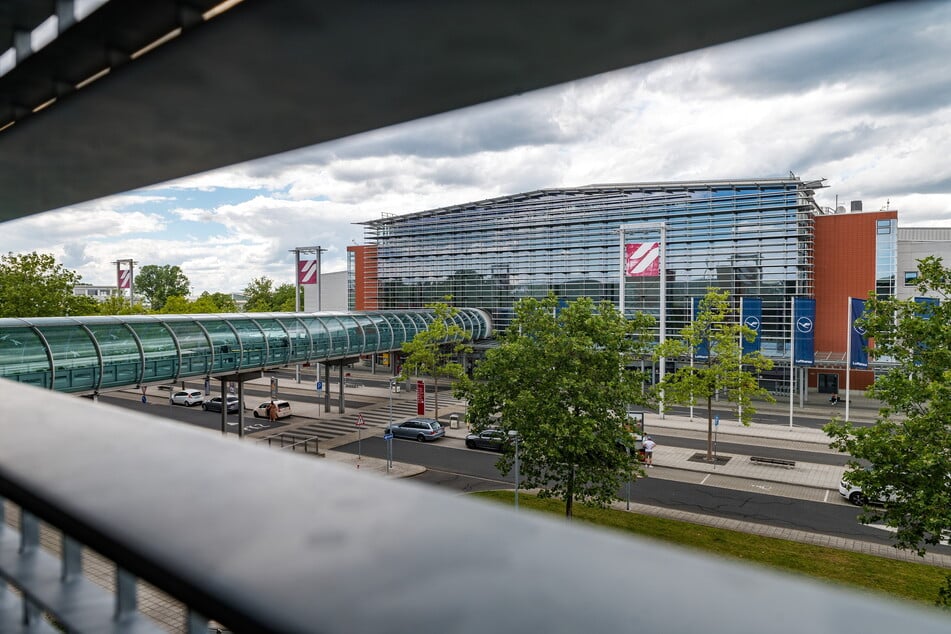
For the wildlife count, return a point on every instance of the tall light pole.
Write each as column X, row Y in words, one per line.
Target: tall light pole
column 514, row 436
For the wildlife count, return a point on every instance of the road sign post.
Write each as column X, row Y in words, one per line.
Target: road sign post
column 388, row 437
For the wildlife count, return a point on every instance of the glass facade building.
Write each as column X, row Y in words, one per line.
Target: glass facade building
column 752, row 238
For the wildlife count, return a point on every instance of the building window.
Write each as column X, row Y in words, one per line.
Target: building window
column 883, row 226
column 911, row 278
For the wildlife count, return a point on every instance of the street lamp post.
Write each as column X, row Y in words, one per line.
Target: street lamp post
column 514, row 436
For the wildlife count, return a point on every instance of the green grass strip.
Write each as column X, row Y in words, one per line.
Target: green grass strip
column 902, row 579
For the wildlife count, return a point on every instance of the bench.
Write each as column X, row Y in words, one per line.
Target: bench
column 779, row 462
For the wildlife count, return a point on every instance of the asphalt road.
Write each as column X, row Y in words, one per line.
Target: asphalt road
column 466, row 470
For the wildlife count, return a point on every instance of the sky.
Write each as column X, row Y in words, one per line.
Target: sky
column 862, row 101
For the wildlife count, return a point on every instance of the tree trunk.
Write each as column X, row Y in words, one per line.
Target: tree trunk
column 709, row 428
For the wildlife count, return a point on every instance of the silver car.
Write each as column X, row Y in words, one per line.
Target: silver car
column 421, row 429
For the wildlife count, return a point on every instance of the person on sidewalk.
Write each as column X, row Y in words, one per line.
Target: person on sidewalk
column 272, row 411
column 649, row 445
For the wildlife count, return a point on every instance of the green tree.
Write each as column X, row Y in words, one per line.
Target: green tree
column 158, row 283
column 35, row 285
column 260, row 295
column 433, row 350
column 558, row 379
column 222, row 302
column 283, row 300
column 910, row 443
column 263, row 297
column 119, row 305
column 724, row 370
column 177, row 305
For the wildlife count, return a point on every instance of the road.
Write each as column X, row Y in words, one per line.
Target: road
column 466, row 470
column 450, row 465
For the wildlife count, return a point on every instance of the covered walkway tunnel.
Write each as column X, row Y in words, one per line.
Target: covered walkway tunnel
column 92, row 354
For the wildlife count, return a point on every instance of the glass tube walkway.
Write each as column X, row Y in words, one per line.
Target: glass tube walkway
column 91, row 354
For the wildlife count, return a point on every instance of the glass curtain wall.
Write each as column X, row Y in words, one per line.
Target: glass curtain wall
column 752, row 238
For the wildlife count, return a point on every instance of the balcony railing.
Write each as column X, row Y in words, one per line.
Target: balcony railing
column 264, row 540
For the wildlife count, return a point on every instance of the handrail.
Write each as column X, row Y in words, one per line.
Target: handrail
column 264, row 540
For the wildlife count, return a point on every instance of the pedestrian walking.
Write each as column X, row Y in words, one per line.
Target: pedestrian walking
column 649, row 445
column 272, row 411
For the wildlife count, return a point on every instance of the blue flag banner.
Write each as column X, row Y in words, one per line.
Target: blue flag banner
column 804, row 320
column 752, row 316
column 703, row 348
column 858, row 341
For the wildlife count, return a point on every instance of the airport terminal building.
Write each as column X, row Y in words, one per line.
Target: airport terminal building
column 756, row 238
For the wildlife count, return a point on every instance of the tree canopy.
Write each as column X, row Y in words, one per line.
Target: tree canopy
column 558, row 379
column 262, row 297
column 158, row 283
column 35, row 285
column 433, row 351
column 723, row 370
column 909, row 446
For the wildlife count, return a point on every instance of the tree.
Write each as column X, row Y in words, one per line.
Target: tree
column 718, row 326
column 283, row 300
column 433, row 350
column 264, row 298
column 158, row 283
column 559, row 380
column 176, row 305
column 119, row 305
column 35, row 285
column 909, row 446
column 223, row 302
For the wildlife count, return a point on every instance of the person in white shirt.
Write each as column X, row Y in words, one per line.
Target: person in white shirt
column 649, row 445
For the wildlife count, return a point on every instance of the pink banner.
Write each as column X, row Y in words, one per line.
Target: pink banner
column 420, row 398
column 642, row 259
column 307, row 272
column 125, row 278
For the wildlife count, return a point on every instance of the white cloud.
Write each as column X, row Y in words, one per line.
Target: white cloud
column 860, row 100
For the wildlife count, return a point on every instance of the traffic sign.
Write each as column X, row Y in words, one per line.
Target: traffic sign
column 360, row 421
column 387, row 436
column 319, row 385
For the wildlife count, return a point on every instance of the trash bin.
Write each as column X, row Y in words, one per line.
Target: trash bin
column 454, row 421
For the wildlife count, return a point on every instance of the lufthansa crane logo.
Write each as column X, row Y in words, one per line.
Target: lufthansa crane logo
column 804, row 324
column 751, row 322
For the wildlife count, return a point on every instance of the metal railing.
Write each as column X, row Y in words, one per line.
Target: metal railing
column 264, row 540
column 287, row 440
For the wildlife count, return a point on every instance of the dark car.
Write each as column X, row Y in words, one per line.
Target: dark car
column 421, row 429
column 214, row 405
column 492, row 439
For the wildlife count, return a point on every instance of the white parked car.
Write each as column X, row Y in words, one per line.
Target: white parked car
column 283, row 409
column 186, row 397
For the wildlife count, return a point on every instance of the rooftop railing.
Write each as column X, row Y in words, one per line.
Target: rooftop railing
column 262, row 540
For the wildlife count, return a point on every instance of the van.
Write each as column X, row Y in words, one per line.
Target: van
column 283, row 409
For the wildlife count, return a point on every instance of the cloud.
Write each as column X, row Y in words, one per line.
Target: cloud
column 861, row 100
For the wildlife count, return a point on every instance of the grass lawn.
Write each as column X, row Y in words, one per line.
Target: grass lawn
column 905, row 580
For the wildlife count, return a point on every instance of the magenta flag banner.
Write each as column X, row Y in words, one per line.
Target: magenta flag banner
column 642, row 259
column 307, row 272
column 125, row 278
